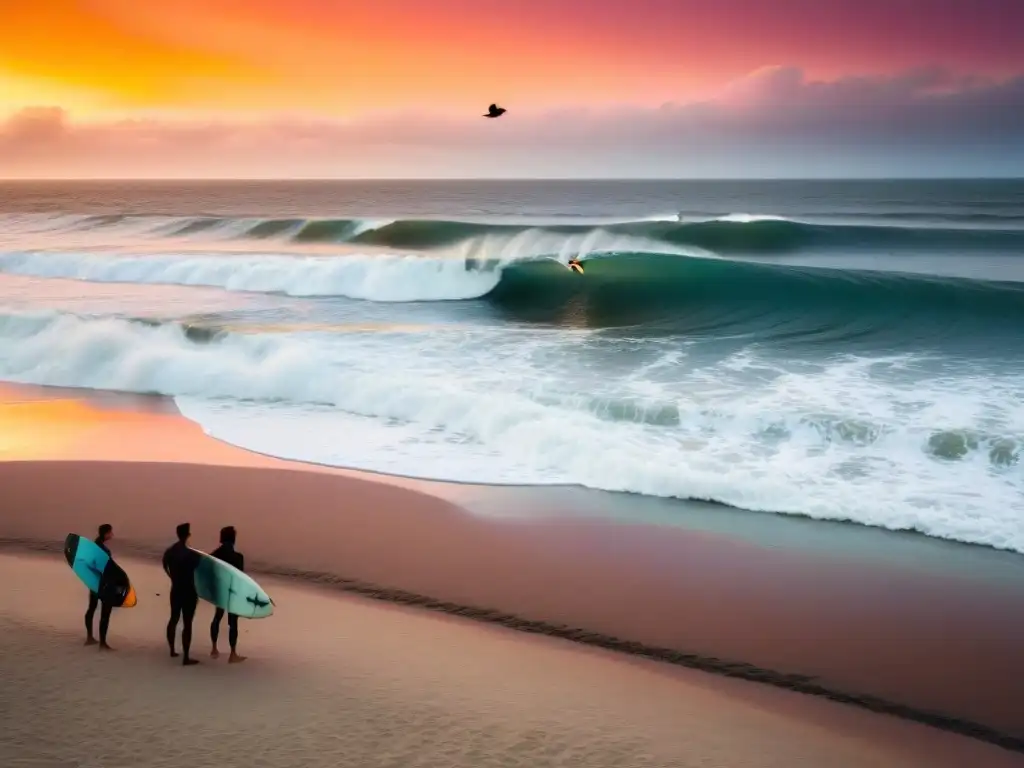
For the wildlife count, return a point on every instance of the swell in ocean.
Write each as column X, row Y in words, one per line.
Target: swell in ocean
column 865, row 371
column 654, row 292
column 731, row 233
column 691, row 275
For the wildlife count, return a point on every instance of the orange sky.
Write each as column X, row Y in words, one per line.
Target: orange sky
column 255, row 88
column 324, row 58
column 329, row 57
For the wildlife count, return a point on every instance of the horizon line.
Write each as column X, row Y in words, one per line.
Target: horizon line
column 478, row 179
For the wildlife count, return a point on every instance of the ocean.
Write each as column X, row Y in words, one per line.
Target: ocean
column 839, row 350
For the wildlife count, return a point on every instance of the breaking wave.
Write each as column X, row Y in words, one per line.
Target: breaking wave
column 735, row 233
column 779, row 447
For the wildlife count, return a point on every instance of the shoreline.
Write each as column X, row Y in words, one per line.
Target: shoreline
column 494, row 499
column 536, row 578
column 437, row 486
column 907, row 639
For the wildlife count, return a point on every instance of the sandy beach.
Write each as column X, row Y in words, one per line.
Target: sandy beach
column 339, row 679
column 343, row 681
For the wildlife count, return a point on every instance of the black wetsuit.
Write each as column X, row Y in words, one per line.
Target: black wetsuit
column 94, row 600
column 227, row 553
column 180, row 562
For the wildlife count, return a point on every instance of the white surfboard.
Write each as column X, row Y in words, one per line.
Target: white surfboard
column 226, row 587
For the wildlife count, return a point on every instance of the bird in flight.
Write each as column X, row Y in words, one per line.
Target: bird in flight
column 495, row 111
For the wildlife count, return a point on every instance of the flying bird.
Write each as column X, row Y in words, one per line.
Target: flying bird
column 495, row 111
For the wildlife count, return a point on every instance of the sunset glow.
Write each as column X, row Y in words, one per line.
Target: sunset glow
column 105, row 61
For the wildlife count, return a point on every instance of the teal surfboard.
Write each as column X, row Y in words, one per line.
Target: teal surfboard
column 98, row 572
column 226, row 587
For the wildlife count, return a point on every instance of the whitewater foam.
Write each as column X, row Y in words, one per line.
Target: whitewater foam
column 750, row 218
column 852, row 439
column 533, row 244
column 376, row 277
column 470, row 269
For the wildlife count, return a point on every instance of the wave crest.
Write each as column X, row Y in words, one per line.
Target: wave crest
column 667, row 292
column 378, row 277
column 734, row 233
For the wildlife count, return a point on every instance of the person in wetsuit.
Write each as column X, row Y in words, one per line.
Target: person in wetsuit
column 226, row 552
column 180, row 562
column 104, row 534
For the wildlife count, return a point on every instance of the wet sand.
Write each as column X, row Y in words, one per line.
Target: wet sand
column 942, row 648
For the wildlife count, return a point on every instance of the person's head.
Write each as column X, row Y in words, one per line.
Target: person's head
column 106, row 532
column 184, row 532
column 227, row 535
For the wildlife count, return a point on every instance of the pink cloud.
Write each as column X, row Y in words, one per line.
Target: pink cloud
column 772, row 110
column 34, row 126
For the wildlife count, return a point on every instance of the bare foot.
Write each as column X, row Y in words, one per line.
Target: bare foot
column 105, row 647
column 174, row 654
column 90, row 641
column 214, row 654
column 189, row 662
column 234, row 658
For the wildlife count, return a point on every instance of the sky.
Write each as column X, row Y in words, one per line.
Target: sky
column 593, row 88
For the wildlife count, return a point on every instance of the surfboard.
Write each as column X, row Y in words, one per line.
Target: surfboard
column 577, row 268
column 226, row 587
column 98, row 572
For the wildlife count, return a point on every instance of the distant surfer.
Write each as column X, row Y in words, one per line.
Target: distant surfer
column 180, row 563
column 575, row 266
column 105, row 533
column 495, row 111
column 226, row 552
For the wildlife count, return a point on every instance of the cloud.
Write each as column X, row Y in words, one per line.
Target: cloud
column 34, row 127
column 772, row 122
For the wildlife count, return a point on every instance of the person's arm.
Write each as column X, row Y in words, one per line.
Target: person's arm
column 241, row 562
column 167, row 562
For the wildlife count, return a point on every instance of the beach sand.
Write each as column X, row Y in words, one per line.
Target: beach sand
column 334, row 680
column 353, row 682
